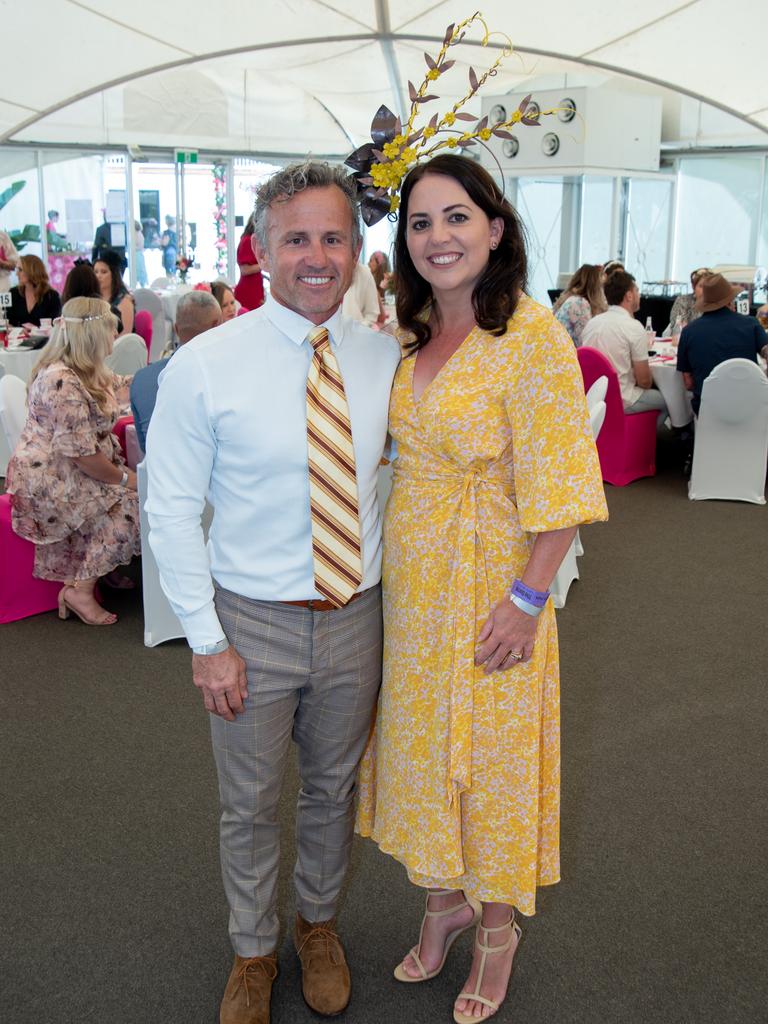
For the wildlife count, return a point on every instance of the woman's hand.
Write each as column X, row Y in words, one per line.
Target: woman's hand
column 132, row 485
column 507, row 629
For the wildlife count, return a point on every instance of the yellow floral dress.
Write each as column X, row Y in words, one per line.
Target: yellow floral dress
column 461, row 778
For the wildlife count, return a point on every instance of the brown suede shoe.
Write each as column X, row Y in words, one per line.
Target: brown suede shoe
column 325, row 980
column 249, row 988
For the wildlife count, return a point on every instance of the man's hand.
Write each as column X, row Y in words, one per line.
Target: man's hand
column 222, row 681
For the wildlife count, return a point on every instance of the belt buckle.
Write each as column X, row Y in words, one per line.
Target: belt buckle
column 311, row 603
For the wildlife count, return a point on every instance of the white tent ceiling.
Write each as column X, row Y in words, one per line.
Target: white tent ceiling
column 300, row 76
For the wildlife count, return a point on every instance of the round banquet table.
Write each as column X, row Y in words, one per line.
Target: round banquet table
column 670, row 384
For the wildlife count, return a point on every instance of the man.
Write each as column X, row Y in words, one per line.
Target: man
column 619, row 336
column 196, row 313
column 717, row 335
column 286, row 638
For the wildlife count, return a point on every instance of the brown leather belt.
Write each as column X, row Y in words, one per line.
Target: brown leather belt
column 316, row 605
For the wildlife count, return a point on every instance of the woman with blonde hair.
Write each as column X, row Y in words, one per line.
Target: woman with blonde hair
column 581, row 300
column 33, row 299
column 71, row 494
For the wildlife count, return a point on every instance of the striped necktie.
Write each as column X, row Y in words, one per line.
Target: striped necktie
column 333, row 502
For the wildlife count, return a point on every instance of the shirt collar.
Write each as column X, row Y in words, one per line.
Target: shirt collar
column 296, row 327
column 620, row 309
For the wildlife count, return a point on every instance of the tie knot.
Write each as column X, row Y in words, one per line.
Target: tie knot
column 318, row 339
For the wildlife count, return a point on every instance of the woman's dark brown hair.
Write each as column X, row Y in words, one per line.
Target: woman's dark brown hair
column 81, row 283
column 494, row 299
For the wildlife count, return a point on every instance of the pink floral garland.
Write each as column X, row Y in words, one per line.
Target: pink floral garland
column 220, row 216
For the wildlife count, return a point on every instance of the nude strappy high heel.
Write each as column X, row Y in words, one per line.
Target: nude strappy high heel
column 400, row 972
column 514, row 931
column 65, row 608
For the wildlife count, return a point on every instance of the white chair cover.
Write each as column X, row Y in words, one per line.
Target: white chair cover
column 160, row 621
column 13, row 412
column 597, row 392
column 133, row 452
column 145, row 298
column 4, row 452
column 128, row 355
column 569, row 569
column 731, row 447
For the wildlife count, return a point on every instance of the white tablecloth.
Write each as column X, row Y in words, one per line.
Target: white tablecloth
column 670, row 384
column 19, row 362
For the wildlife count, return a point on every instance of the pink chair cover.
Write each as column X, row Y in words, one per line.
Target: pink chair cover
column 21, row 594
column 119, row 431
column 626, row 444
column 142, row 325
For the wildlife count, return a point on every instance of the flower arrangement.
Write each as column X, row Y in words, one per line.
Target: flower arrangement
column 220, row 216
column 183, row 266
column 381, row 165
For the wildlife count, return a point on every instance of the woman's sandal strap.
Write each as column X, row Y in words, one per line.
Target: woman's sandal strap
column 480, row 999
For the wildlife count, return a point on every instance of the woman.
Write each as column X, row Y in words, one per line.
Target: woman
column 32, row 299
column 82, row 283
column 581, row 300
column 684, row 307
column 496, row 468
column 108, row 269
column 249, row 290
column 71, row 493
column 226, row 299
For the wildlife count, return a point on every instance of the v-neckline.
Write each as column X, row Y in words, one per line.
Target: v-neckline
column 417, row 401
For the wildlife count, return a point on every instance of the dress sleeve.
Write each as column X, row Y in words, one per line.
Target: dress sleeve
column 557, row 473
column 580, row 314
column 245, row 256
column 72, row 414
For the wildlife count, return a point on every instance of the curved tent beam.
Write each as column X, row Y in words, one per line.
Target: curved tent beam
column 385, row 39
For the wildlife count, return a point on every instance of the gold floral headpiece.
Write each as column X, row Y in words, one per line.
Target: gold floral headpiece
column 381, row 165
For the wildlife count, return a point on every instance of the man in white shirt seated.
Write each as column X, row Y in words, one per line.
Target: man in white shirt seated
column 619, row 336
column 280, row 418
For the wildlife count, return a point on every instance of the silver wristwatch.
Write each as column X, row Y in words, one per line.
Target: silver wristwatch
column 217, row 648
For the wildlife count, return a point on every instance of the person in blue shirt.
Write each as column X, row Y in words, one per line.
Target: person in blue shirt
column 718, row 334
column 196, row 312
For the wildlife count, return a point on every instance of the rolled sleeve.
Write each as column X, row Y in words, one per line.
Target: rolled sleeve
column 181, row 447
column 557, row 473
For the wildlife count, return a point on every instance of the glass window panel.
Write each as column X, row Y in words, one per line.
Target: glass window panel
column 596, row 208
column 718, row 205
column 761, row 294
column 539, row 203
column 648, row 229
column 154, row 205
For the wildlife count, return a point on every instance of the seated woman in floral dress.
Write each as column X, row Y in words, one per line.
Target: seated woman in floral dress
column 581, row 300
column 71, row 494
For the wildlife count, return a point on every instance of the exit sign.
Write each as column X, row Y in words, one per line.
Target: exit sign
column 186, row 156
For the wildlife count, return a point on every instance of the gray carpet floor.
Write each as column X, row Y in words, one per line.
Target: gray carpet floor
column 112, row 907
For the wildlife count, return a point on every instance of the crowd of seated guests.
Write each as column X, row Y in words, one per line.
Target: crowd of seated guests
column 32, row 299
column 72, row 495
column 196, row 312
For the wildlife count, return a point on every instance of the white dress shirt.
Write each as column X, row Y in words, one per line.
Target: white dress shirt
column 622, row 338
column 230, row 424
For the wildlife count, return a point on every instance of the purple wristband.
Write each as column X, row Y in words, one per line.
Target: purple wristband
column 538, row 598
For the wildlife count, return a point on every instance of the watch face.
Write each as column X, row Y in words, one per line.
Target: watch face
column 566, row 110
column 498, row 113
column 550, row 144
column 510, row 148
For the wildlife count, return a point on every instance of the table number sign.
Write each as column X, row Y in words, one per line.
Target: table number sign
column 5, row 299
column 742, row 306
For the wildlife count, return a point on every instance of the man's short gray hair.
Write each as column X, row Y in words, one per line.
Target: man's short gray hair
column 298, row 177
column 193, row 306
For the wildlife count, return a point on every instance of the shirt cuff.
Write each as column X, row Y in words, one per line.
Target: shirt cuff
column 202, row 627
